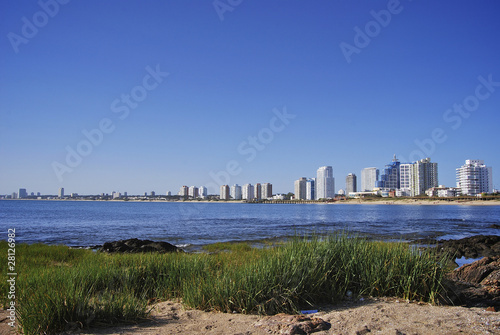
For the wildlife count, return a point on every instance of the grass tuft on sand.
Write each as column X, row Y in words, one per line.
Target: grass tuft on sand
column 61, row 289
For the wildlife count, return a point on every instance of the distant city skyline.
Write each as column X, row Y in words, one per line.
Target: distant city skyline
column 154, row 96
column 411, row 179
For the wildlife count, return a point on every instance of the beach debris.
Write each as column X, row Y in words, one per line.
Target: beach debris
column 292, row 324
column 135, row 245
column 309, row 311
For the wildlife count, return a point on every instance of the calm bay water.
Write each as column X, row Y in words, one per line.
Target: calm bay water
column 88, row 223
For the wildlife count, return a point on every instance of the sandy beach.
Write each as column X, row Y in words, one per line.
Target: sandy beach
column 417, row 202
column 371, row 316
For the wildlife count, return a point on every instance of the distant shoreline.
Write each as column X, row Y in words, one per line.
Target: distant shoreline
column 381, row 201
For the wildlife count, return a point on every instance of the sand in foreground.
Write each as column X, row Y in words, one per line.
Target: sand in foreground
column 381, row 316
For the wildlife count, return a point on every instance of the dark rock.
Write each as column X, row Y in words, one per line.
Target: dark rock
column 475, row 272
column 469, row 247
column 494, row 226
column 363, row 331
column 135, row 245
column 476, row 284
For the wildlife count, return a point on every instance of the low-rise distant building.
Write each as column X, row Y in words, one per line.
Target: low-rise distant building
column 443, row 192
column 403, row 192
column 358, row 195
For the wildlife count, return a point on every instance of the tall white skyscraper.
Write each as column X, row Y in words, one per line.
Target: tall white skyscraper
column 311, row 189
column 325, row 184
column 369, row 177
column 474, row 177
column 193, row 192
column 405, row 179
column 202, row 192
column 183, row 191
column 247, row 192
column 61, row 192
column 236, row 192
column 300, row 188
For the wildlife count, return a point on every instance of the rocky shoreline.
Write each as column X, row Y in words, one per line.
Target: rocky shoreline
column 476, row 284
column 135, row 245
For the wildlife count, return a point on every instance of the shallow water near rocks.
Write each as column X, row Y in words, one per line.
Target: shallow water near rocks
column 462, row 261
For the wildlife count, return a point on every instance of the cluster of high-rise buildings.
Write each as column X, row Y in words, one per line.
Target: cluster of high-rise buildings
column 400, row 180
column 397, row 179
column 405, row 179
column 247, row 192
column 192, row 192
column 321, row 187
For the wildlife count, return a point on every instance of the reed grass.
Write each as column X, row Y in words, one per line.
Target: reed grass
column 63, row 289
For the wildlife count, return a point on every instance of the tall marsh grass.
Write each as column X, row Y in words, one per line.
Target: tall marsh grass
column 65, row 289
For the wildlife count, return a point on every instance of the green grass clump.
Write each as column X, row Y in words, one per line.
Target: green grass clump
column 227, row 246
column 59, row 288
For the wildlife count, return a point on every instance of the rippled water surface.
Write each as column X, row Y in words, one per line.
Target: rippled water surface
column 87, row 223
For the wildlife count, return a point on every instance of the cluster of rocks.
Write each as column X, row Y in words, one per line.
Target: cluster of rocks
column 135, row 245
column 477, row 284
column 469, row 247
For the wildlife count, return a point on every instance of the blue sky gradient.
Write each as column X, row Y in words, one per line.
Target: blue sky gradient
column 232, row 65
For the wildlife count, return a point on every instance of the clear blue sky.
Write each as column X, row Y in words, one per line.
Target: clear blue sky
column 358, row 98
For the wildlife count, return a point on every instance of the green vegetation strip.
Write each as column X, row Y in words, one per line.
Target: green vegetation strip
column 63, row 289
